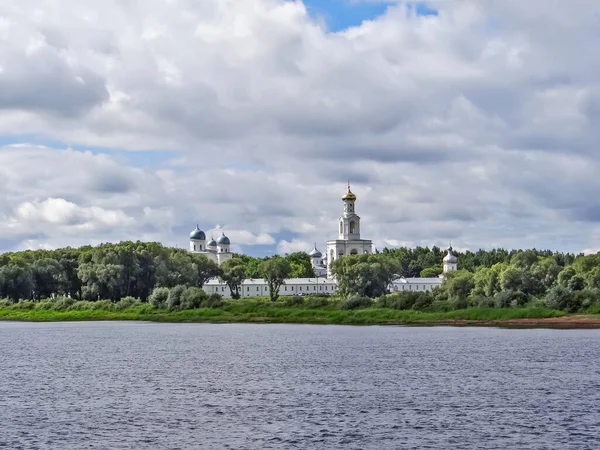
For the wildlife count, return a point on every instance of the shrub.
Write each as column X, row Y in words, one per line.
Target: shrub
column 537, row 303
column 484, row 302
column 175, row 297
column 423, row 302
column 441, row 306
column 509, row 298
column 5, row 303
column 158, row 297
column 192, row 298
column 127, row 302
column 397, row 300
column 44, row 305
column 24, row 304
column 355, row 302
column 586, row 298
column 460, row 303
column 316, row 301
column 62, row 303
column 82, row 306
column 295, row 300
column 563, row 299
column 213, row 301
column 102, row 305
column 594, row 309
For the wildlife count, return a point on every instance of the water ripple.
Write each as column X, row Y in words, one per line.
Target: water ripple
column 149, row 386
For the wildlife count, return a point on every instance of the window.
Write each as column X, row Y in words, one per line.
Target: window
column 314, row 288
column 285, row 288
column 299, row 288
column 352, row 227
column 257, row 289
column 354, row 252
column 292, row 288
column 248, row 289
column 200, row 246
column 320, row 288
column 223, row 289
column 341, row 227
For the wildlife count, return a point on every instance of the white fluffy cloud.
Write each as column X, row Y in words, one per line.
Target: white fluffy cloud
column 477, row 125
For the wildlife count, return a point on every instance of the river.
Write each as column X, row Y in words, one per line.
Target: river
column 118, row 385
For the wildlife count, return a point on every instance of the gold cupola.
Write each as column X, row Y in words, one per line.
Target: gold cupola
column 349, row 195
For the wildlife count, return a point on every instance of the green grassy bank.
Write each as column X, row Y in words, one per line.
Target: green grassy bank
column 258, row 311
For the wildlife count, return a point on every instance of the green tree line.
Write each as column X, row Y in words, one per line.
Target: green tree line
column 495, row 278
column 130, row 269
column 112, row 272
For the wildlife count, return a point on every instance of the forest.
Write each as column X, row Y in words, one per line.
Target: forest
column 487, row 278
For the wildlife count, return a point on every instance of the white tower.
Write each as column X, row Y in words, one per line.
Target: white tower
column 349, row 241
column 223, row 249
column 450, row 261
column 197, row 240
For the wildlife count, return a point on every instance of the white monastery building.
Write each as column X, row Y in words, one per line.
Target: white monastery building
column 347, row 243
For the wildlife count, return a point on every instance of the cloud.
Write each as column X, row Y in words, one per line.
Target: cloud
column 477, row 124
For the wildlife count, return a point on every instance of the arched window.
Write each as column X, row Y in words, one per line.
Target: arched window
column 353, row 252
column 331, row 258
column 341, row 227
column 352, row 227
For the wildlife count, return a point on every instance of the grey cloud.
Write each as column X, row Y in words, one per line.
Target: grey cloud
column 109, row 182
column 46, row 83
column 447, row 129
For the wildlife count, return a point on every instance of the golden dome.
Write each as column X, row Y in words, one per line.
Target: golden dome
column 349, row 195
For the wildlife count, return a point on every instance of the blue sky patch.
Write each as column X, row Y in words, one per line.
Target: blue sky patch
column 342, row 14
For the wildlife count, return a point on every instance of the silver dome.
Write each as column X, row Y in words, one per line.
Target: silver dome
column 315, row 253
column 450, row 258
column 223, row 240
column 198, row 234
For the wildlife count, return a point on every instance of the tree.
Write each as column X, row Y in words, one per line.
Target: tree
column 233, row 272
column 301, row 266
column 205, row 269
column 176, row 269
column 559, row 297
column 459, row 284
column 510, row 279
column 592, row 278
column 430, row 272
column 365, row 275
column 16, row 282
column 275, row 271
column 46, row 273
column 565, row 276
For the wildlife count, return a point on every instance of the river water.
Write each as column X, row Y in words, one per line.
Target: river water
column 160, row 386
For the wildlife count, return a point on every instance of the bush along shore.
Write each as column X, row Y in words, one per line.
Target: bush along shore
column 188, row 305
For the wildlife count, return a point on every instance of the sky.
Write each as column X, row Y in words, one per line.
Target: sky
column 454, row 120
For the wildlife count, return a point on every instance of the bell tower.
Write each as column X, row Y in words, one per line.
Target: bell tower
column 349, row 223
column 348, row 242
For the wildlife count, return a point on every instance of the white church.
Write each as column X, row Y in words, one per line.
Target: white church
column 348, row 242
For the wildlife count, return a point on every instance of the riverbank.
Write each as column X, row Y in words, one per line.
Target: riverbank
column 245, row 312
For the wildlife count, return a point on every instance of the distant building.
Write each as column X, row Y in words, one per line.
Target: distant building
column 348, row 243
column 217, row 251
